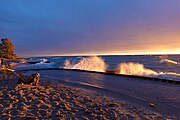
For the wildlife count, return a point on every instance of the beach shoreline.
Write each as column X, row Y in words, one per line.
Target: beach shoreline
column 58, row 101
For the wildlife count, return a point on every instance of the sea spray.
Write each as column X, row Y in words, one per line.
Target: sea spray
column 135, row 69
column 87, row 63
column 98, row 64
column 139, row 70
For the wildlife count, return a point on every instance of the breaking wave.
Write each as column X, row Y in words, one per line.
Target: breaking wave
column 44, row 63
column 169, row 75
column 38, row 64
column 169, row 61
column 135, row 69
column 164, row 59
column 129, row 68
column 139, row 70
column 43, row 60
column 89, row 63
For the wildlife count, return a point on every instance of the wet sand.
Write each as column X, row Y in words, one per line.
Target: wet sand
column 57, row 101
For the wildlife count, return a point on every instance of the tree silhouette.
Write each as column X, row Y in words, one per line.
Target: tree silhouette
column 7, row 48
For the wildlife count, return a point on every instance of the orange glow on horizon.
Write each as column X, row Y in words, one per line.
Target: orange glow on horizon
column 128, row 53
column 175, row 51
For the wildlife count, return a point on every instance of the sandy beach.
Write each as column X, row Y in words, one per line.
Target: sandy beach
column 58, row 101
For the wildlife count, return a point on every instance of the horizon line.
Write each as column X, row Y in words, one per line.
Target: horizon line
column 111, row 54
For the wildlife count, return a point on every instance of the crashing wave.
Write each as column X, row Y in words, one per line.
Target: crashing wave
column 135, row 69
column 89, row 63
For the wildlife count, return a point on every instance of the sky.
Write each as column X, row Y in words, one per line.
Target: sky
column 79, row 27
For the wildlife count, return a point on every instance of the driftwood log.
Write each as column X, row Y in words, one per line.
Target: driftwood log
column 32, row 79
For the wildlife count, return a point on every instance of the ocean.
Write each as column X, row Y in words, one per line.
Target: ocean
column 157, row 66
column 164, row 95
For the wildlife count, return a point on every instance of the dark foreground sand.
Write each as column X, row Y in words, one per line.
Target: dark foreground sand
column 57, row 101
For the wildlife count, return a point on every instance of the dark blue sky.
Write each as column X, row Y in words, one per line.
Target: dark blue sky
column 64, row 27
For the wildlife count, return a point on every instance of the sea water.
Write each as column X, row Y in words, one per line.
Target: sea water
column 158, row 66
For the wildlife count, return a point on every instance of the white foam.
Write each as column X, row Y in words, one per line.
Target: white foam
column 89, row 63
column 135, row 69
column 43, row 60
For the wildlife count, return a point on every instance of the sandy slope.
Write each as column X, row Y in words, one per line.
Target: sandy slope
column 57, row 101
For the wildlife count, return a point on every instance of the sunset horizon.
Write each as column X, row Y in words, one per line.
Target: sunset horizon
column 90, row 59
column 85, row 27
column 111, row 54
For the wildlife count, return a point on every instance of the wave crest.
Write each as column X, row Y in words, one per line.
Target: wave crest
column 169, row 61
column 135, row 69
column 90, row 64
